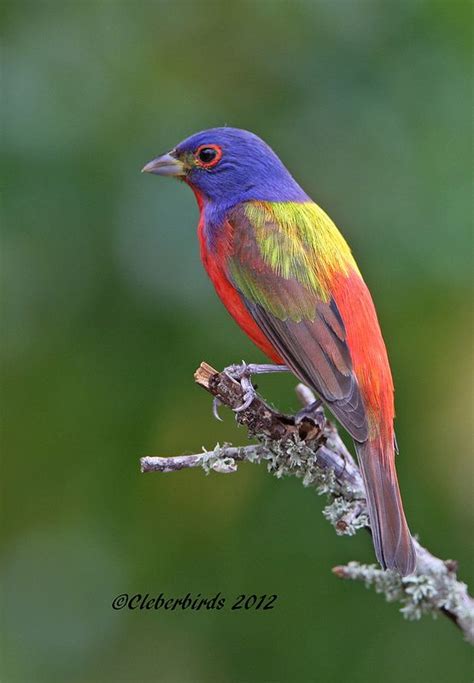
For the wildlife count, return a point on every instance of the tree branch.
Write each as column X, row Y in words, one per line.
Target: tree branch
column 311, row 449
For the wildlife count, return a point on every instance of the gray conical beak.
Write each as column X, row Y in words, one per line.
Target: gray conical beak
column 165, row 165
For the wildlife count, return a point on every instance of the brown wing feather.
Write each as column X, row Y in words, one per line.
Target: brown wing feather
column 307, row 332
column 320, row 359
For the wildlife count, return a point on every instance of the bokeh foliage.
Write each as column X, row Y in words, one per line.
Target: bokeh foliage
column 107, row 312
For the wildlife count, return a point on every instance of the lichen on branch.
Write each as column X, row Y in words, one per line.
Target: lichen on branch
column 311, row 449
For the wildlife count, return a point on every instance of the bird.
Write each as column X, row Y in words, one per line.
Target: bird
column 288, row 277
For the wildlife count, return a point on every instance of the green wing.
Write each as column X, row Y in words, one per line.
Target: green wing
column 279, row 267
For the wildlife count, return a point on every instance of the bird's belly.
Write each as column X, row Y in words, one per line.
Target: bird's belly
column 234, row 304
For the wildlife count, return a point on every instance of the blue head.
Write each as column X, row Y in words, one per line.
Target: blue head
column 227, row 166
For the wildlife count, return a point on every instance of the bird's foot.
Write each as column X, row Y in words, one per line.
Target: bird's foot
column 313, row 412
column 240, row 370
column 243, row 374
column 215, row 408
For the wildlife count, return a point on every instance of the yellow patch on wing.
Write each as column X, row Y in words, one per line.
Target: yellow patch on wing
column 300, row 241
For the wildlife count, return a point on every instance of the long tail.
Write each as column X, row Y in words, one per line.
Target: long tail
column 392, row 539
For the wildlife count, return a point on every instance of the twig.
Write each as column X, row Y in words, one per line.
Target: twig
column 204, row 459
column 312, row 450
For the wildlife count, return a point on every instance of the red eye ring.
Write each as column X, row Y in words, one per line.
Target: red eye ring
column 208, row 156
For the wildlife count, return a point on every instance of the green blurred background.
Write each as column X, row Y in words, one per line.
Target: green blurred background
column 107, row 312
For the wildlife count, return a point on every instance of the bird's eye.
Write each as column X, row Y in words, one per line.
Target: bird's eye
column 208, row 156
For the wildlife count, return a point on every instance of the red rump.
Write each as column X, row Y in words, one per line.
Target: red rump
column 368, row 353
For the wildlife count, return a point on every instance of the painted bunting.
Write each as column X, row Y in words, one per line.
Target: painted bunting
column 288, row 277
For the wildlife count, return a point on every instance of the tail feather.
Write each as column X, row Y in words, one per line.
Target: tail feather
column 392, row 539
